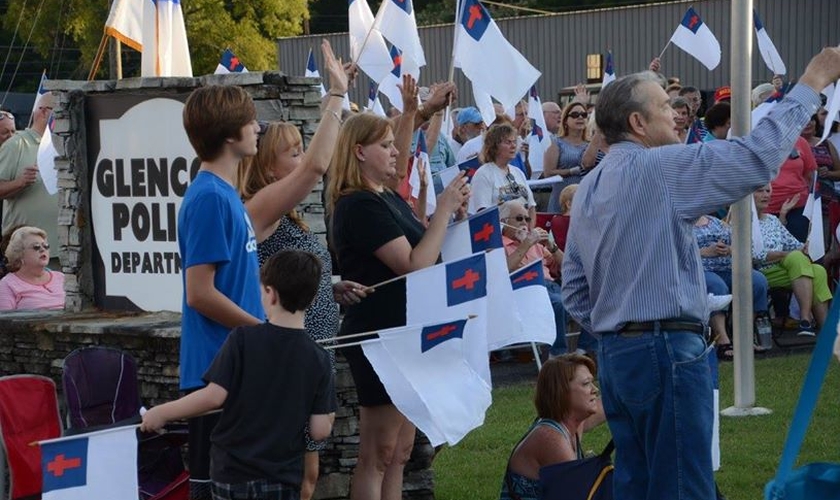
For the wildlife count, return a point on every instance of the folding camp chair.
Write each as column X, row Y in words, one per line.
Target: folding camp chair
column 101, row 389
column 28, row 413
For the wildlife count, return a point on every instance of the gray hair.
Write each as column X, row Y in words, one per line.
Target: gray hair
column 14, row 252
column 618, row 101
column 506, row 208
column 680, row 102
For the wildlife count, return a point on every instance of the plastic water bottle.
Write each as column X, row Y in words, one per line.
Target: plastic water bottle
column 765, row 332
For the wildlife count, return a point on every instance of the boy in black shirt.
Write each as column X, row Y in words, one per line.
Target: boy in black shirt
column 270, row 380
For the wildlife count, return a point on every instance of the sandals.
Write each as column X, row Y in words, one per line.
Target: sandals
column 724, row 352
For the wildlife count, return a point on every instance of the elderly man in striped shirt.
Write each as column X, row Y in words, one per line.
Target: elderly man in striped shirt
column 632, row 272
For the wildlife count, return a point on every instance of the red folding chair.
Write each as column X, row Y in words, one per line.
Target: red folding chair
column 28, row 413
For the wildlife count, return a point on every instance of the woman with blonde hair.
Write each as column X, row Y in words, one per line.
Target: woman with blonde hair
column 376, row 237
column 30, row 284
column 566, row 155
column 271, row 184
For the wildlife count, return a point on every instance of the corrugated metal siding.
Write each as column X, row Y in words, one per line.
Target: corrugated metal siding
column 558, row 44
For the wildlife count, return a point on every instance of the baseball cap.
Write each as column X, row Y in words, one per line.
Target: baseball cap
column 469, row 115
column 723, row 93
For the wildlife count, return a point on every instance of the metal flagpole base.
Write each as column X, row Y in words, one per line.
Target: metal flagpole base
column 734, row 411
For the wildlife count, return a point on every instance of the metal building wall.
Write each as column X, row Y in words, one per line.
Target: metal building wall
column 558, row 44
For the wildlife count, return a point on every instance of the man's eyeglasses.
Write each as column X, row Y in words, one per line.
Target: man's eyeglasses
column 578, row 114
column 520, row 218
column 6, row 114
column 40, row 246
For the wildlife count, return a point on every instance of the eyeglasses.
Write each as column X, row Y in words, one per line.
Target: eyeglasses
column 40, row 246
column 578, row 114
column 520, row 218
column 46, row 107
column 6, row 114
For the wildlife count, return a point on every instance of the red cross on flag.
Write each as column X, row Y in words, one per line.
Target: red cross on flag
column 101, row 464
column 694, row 36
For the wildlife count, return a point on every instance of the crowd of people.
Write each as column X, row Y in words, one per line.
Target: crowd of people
column 260, row 302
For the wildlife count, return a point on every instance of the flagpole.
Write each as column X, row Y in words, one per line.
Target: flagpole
column 666, row 48
column 97, row 60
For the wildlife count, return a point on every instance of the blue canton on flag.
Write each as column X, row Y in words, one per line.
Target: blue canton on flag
column 470, row 166
column 691, row 20
column 485, row 231
column 396, row 58
column 528, row 276
column 231, row 62
column 466, row 280
column 434, row 335
column 310, row 62
column 64, row 464
column 475, row 19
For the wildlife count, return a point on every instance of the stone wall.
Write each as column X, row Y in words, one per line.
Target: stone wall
column 37, row 343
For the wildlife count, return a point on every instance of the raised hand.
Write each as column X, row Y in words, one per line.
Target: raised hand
column 340, row 75
column 409, row 90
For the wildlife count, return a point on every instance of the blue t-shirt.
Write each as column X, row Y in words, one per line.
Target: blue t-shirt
column 214, row 228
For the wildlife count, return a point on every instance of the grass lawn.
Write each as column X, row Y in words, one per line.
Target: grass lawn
column 750, row 447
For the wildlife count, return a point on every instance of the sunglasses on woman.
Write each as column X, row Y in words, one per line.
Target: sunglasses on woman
column 578, row 114
column 40, row 246
column 521, row 218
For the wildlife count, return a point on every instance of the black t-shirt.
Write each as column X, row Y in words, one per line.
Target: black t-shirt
column 363, row 222
column 276, row 378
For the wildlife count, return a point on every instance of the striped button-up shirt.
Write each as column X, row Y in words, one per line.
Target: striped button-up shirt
column 631, row 255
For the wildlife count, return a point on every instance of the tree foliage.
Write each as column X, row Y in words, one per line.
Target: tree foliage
column 249, row 28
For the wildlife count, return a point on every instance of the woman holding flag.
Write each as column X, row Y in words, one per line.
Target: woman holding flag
column 377, row 238
column 279, row 164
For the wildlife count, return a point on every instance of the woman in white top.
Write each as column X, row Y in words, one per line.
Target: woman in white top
column 496, row 182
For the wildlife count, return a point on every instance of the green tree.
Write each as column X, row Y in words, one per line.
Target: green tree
column 248, row 28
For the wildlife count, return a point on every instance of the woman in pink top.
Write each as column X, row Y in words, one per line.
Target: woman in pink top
column 523, row 246
column 30, row 285
column 791, row 185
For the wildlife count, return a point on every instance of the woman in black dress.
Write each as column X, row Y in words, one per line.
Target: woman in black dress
column 377, row 237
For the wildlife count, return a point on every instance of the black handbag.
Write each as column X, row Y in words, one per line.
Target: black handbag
column 585, row 479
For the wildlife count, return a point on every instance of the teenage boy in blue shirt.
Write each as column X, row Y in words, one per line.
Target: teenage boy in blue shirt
column 218, row 250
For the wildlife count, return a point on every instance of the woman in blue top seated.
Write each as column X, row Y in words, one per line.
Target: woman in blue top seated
column 567, row 404
column 714, row 239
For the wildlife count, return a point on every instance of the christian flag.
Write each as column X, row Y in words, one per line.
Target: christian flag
column 693, row 36
column 813, row 210
column 768, row 50
column 229, row 63
column 390, row 84
column 479, row 285
column 480, row 50
column 374, row 106
column 426, row 373
column 100, row 464
column 396, row 21
column 421, row 158
column 367, row 47
column 538, row 141
column 312, row 72
column 480, row 232
column 609, row 71
column 532, row 301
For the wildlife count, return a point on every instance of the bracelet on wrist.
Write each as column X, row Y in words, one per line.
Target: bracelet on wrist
column 336, row 94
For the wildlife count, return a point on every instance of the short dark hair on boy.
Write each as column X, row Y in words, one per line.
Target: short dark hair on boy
column 294, row 275
column 215, row 113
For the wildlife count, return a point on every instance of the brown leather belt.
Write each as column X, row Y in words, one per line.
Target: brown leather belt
column 668, row 325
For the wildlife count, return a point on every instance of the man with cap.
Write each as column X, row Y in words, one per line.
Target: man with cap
column 471, row 125
column 723, row 94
